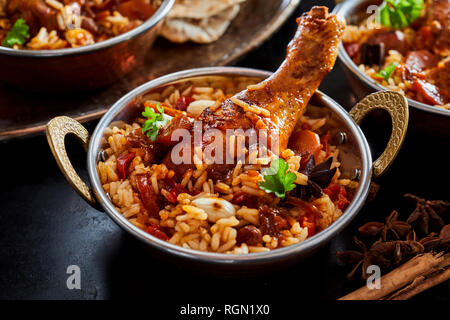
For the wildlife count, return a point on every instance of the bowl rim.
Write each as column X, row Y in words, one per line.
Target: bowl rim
column 341, row 11
column 221, row 258
column 159, row 15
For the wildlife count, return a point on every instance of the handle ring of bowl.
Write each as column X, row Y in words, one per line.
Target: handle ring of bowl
column 397, row 107
column 56, row 131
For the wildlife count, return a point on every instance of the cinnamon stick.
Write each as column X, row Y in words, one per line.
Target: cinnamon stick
column 418, row 266
column 422, row 285
column 425, row 282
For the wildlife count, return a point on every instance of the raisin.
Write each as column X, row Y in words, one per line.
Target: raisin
column 271, row 221
column 249, row 235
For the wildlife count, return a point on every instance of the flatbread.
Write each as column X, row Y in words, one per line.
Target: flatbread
column 200, row 9
column 204, row 30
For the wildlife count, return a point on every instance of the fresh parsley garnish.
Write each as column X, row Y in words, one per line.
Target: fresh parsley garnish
column 18, row 34
column 400, row 13
column 278, row 179
column 155, row 121
column 387, row 72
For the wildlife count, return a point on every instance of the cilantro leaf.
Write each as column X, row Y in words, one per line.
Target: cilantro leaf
column 387, row 72
column 400, row 13
column 155, row 121
column 278, row 179
column 18, row 34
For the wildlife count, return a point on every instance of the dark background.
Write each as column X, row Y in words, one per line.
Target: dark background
column 45, row 226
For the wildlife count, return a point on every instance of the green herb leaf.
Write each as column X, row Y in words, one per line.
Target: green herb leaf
column 18, row 34
column 400, row 13
column 155, row 121
column 278, row 179
column 387, row 72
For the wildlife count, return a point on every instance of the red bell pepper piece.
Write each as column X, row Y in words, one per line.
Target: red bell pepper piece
column 123, row 162
column 174, row 186
column 325, row 141
column 172, row 197
column 148, row 196
column 183, row 102
column 306, row 222
column 174, row 189
column 338, row 195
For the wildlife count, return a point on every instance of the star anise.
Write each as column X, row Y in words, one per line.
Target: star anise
column 319, row 177
column 437, row 242
column 386, row 255
column 391, row 254
column 359, row 259
column 427, row 213
column 391, row 229
column 411, row 235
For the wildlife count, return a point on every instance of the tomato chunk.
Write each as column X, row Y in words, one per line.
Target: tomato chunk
column 156, row 231
column 338, row 195
column 123, row 162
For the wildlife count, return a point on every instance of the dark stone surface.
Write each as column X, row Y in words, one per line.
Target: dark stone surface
column 45, row 226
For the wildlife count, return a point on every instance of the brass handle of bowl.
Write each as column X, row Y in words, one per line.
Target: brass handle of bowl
column 56, row 131
column 397, row 106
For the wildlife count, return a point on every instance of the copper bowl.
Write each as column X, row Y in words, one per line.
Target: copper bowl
column 355, row 157
column 82, row 68
column 423, row 117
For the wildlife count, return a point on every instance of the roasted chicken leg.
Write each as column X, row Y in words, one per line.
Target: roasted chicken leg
column 310, row 56
column 281, row 99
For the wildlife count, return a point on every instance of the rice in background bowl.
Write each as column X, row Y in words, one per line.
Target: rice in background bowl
column 424, row 117
column 80, row 68
column 56, row 24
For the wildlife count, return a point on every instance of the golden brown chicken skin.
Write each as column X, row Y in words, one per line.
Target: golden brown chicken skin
column 310, row 56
